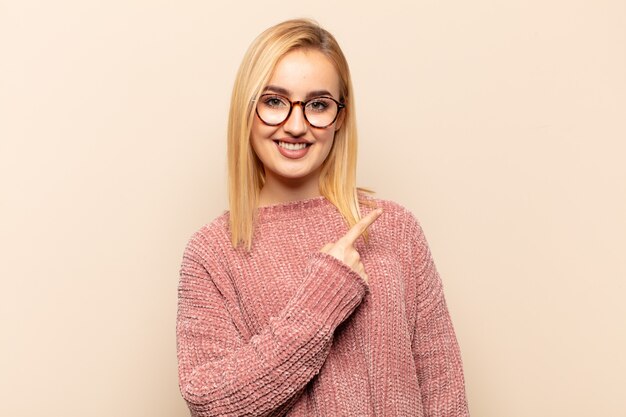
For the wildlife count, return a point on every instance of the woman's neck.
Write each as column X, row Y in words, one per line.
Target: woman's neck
column 281, row 190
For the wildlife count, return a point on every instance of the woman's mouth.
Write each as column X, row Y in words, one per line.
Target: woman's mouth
column 292, row 150
column 292, row 146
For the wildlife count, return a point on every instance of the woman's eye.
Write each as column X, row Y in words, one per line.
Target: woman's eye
column 318, row 105
column 274, row 102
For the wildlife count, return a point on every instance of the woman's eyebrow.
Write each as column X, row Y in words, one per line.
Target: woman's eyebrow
column 278, row 90
column 318, row 93
column 286, row 92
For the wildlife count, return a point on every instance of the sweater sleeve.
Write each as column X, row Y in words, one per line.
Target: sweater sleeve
column 221, row 374
column 435, row 348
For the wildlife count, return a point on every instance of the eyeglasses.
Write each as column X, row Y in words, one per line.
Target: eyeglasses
column 320, row 112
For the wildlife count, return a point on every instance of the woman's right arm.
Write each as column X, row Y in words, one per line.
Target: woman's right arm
column 222, row 374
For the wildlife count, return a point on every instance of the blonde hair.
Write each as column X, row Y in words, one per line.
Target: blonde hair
column 246, row 173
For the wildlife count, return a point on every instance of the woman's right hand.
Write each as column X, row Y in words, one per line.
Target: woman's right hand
column 344, row 250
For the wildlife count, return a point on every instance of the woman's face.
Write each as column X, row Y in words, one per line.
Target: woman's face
column 295, row 150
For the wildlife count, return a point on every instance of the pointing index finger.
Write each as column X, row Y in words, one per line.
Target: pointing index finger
column 361, row 226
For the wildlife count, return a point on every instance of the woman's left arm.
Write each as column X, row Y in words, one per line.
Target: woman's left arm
column 435, row 347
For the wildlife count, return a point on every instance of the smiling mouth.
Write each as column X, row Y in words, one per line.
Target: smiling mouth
column 292, row 146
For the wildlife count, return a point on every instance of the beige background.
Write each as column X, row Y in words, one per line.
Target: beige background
column 501, row 124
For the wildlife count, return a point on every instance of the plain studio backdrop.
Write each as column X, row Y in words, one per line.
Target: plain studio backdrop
column 500, row 124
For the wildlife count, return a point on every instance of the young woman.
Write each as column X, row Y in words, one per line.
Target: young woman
column 309, row 297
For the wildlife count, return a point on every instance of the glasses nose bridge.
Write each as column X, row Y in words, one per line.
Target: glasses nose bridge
column 302, row 105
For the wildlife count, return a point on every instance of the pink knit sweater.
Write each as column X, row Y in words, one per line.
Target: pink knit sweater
column 287, row 330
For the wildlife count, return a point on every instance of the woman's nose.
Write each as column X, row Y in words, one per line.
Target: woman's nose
column 296, row 124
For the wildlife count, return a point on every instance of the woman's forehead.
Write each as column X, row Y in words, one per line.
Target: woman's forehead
column 302, row 72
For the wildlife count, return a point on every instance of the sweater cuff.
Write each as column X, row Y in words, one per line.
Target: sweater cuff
column 330, row 292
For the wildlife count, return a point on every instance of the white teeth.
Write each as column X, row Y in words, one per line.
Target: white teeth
column 292, row 146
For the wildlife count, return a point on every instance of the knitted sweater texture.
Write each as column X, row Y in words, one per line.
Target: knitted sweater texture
column 285, row 330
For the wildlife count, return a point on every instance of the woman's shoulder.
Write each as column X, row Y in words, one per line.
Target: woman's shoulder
column 392, row 209
column 397, row 227
column 211, row 238
column 398, row 223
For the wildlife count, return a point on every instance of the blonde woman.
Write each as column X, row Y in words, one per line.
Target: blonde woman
column 309, row 297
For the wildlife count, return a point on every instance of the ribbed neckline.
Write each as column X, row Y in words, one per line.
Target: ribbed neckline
column 287, row 209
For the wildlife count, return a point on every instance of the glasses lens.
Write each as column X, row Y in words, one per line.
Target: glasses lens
column 272, row 109
column 321, row 111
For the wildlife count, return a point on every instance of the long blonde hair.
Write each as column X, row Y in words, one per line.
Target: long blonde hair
column 246, row 173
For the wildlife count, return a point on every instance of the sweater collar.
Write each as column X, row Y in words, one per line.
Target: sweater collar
column 289, row 209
